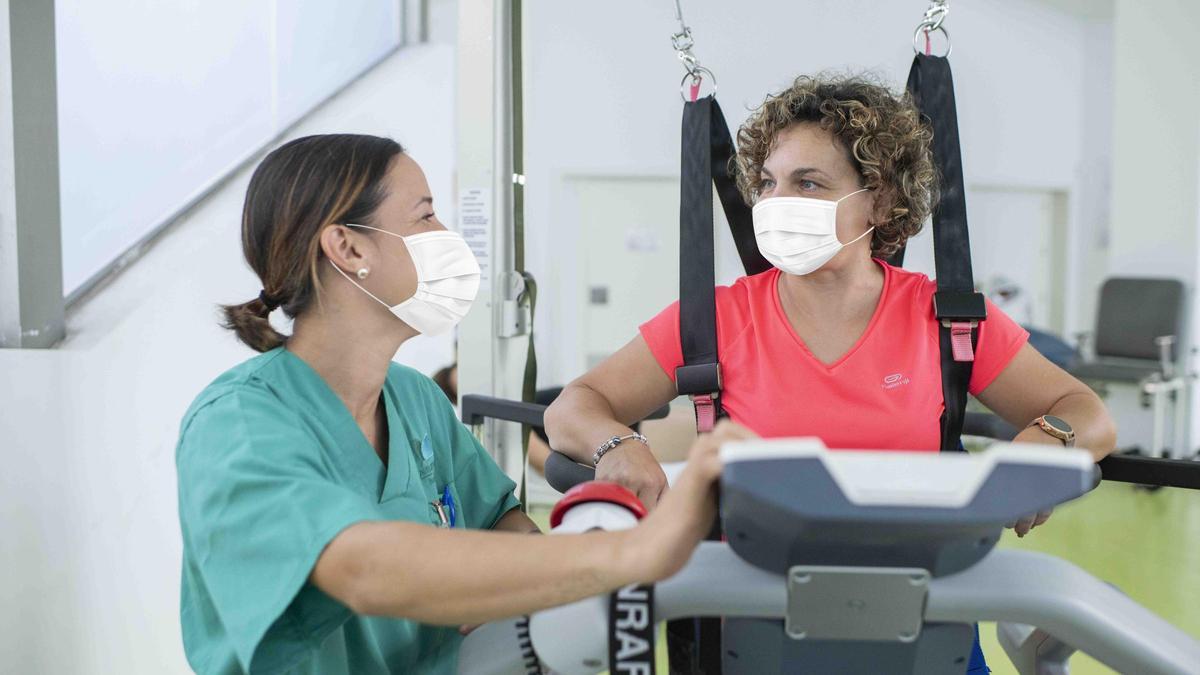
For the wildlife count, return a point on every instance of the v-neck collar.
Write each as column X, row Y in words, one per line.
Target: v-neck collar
column 781, row 315
column 354, row 453
column 402, row 464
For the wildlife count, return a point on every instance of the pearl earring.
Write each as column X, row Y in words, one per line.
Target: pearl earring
column 363, row 272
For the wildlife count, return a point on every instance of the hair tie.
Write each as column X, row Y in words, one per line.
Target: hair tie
column 269, row 302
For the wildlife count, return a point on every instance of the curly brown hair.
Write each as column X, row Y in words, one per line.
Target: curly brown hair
column 882, row 133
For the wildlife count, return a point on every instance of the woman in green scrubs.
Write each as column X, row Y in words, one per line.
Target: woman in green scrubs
column 336, row 517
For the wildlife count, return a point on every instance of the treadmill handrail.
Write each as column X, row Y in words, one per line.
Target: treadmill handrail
column 564, row 473
column 1007, row 585
column 1060, row 598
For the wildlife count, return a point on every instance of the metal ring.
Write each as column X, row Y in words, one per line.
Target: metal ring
column 694, row 75
column 928, row 29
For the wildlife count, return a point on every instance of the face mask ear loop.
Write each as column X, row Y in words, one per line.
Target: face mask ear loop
column 847, row 196
column 368, row 227
column 835, row 205
column 869, row 230
column 402, row 238
column 359, row 286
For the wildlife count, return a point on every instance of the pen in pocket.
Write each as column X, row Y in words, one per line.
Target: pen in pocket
column 448, row 502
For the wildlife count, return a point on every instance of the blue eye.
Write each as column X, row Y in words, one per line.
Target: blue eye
column 808, row 185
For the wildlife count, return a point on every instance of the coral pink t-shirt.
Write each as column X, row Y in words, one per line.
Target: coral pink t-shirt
column 884, row 393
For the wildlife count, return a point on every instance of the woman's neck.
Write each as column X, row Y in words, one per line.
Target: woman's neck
column 352, row 355
column 834, row 293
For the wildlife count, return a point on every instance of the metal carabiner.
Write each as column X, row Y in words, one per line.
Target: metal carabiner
column 686, row 56
column 682, row 42
column 935, row 15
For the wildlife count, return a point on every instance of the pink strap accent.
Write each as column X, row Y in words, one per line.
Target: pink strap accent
column 960, row 341
column 706, row 413
column 695, row 89
column 928, row 44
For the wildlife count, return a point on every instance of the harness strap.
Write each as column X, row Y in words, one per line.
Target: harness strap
column 694, row 645
column 700, row 373
column 706, row 412
column 707, row 155
column 960, row 340
column 737, row 212
column 957, row 307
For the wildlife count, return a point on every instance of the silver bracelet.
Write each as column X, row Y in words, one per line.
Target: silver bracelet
column 614, row 442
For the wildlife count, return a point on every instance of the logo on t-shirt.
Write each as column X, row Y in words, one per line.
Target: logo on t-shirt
column 894, row 381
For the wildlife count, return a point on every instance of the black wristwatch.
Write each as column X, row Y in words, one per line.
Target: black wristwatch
column 1056, row 427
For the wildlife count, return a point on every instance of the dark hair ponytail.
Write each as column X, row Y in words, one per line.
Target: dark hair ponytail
column 298, row 190
column 251, row 321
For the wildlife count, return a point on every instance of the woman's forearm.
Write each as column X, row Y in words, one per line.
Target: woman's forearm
column 1089, row 419
column 620, row 391
column 580, row 420
column 388, row 569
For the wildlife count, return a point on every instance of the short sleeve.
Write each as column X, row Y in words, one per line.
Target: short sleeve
column 1000, row 338
column 661, row 334
column 484, row 492
column 257, row 505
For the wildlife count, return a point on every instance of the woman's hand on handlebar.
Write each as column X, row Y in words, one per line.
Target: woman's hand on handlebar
column 662, row 543
column 1024, row 525
column 632, row 465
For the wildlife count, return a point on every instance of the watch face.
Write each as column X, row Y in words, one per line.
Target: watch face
column 1058, row 423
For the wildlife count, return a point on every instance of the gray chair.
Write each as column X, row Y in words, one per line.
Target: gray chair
column 1135, row 343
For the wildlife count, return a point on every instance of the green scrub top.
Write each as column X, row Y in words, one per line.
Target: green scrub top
column 272, row 467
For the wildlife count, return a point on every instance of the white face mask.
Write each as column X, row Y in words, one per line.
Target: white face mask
column 447, row 280
column 798, row 234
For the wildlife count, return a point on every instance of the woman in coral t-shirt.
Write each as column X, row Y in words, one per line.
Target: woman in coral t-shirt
column 832, row 342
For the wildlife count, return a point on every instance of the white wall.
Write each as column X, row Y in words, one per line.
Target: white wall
column 158, row 101
column 602, row 97
column 1156, row 171
column 89, row 532
column 1154, row 198
column 1093, row 227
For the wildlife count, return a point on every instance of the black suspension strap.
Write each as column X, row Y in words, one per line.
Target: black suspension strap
column 694, row 645
column 700, row 375
column 707, row 154
column 957, row 307
column 737, row 212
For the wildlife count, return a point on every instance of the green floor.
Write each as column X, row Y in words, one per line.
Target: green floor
column 1145, row 543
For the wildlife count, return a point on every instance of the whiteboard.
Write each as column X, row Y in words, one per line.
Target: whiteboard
column 158, row 101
